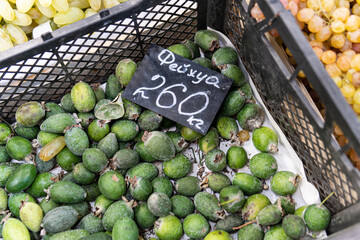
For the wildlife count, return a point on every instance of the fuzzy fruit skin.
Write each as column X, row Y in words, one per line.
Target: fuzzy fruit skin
column 94, row 160
column 29, row 133
column 41, row 182
column 263, row 165
column 149, row 120
column 60, row 219
column 31, row 215
column 82, row 208
column 194, row 49
column 83, row 97
column 181, row 50
column 265, row 139
column 53, row 109
column 159, row 145
column 76, row 234
column 18, row 147
column 57, row 123
column 196, row 226
column 253, row 205
column 4, row 156
column 177, row 167
column 97, row 130
column 251, row 116
column 203, row 62
column 132, row 110
column 3, row 200
column 14, row 229
column 224, row 55
column 248, row 184
column 109, row 145
column 236, row 157
column 67, row 160
column 215, row 160
column 82, row 175
column 159, row 204
column 230, row 193
column 43, row 166
column 44, row 138
column 229, row 223
column 125, row 70
column 140, row 189
column 269, row 215
column 5, row 132
column 6, row 170
column 144, row 217
column 299, row 211
column 162, row 184
column 188, row 186
column 294, row 226
column 168, row 228
column 210, row 141
column 246, row 89
column 234, row 72
column 101, row 204
column 76, row 140
column 112, row 185
column 218, row 181
column 91, row 223
column 287, row 204
column 116, row 211
column 276, row 233
column 125, row 159
column 233, row 103
column 227, row 127
column 125, row 229
column 284, row 183
column 143, row 170
column 14, row 202
column 179, row 142
column 181, row 206
column 86, row 118
column 251, row 232
column 190, row 135
column 125, row 130
column 144, row 155
column 67, row 104
column 317, row 217
column 46, row 206
column 30, row 114
column 67, row 192
column 21, row 178
column 218, row 235
column 113, row 87
column 207, row 40
column 207, row 205
column 99, row 235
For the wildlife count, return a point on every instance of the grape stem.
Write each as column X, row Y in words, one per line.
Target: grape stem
column 326, row 198
column 323, row 10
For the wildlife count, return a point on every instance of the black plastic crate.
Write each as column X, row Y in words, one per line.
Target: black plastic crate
column 44, row 69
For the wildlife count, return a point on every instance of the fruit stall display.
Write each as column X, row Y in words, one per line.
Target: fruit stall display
column 51, row 67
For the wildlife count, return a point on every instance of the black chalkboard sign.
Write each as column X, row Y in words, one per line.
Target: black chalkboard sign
column 178, row 88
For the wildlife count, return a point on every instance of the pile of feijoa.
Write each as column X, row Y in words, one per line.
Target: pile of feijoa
column 129, row 163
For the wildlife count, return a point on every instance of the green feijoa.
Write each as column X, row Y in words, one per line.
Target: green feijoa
column 263, row 165
column 177, row 167
column 143, row 216
column 253, row 206
column 82, row 175
column 57, row 123
column 6, row 170
column 143, row 170
column 218, row 181
column 227, row 127
column 67, row 104
column 317, row 217
column 276, row 233
column 101, row 204
column 232, row 199
column 168, row 228
column 83, row 97
column 21, row 178
column 44, row 138
column 99, row 104
column 284, row 183
column 125, row 69
column 60, row 219
column 269, row 215
column 125, row 130
column 112, row 185
column 124, row 145
column 31, row 215
column 94, row 160
column 208, row 205
column 52, row 109
column 190, row 135
column 287, row 204
column 229, row 222
column 149, row 120
column 77, row 234
column 18, row 148
column 234, row 72
column 14, row 229
column 196, row 226
column 41, row 183
column 188, row 186
column 109, row 145
column 69, row 177
column 251, row 232
column 248, row 184
column 162, row 184
column 138, row 137
column 251, row 117
column 86, row 118
column 246, row 89
column 67, row 192
column 112, row 88
column 30, row 114
column 98, row 129
column 15, row 202
column 181, row 49
column 159, row 204
column 210, row 141
column 207, row 40
column 167, row 123
column 294, row 226
column 194, row 49
column 98, row 91
column 82, row 208
column 299, row 211
column 224, row 55
column 44, row 166
column 27, row 132
column 76, row 140
column 203, row 62
column 47, row 205
column 125, row 159
column 140, row 188
column 265, row 139
column 144, row 155
column 159, row 145
column 67, row 160
column 92, row 191
column 132, row 110
column 233, row 103
column 4, row 156
column 215, row 160
column 98, row 235
column 3, row 200
column 236, row 157
column 182, row 206
column 125, row 229
column 5, row 132
column 2, row 216
column 91, row 223
column 218, row 235
column 116, row 211
column 179, row 142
